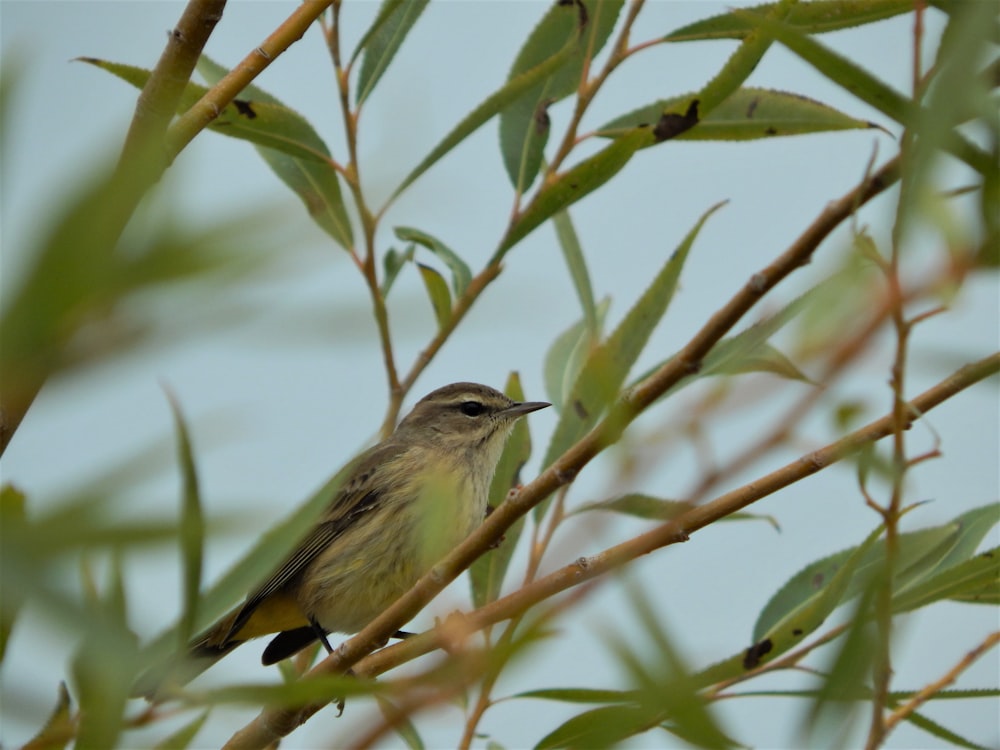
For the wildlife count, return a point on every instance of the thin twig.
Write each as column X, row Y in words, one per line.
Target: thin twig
column 272, row 723
column 678, row 529
column 140, row 165
column 219, row 96
column 937, row 686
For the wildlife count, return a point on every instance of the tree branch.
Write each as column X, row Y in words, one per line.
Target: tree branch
column 274, row 723
column 212, row 103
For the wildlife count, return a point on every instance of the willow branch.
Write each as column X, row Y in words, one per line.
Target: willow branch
column 679, row 529
column 141, row 163
column 272, row 724
column 937, row 686
column 215, row 99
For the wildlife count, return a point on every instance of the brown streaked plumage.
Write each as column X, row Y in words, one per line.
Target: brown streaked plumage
column 408, row 501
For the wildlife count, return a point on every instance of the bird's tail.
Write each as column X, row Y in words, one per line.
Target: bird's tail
column 176, row 671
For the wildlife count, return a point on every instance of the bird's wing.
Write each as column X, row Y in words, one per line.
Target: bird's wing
column 356, row 496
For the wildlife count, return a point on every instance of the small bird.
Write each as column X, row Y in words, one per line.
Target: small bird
column 407, row 502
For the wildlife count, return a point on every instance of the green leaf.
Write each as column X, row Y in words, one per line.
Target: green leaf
column 608, row 363
column 492, row 105
column 392, row 263
column 400, row 723
column 192, row 526
column 864, row 85
column 816, row 17
column 569, row 242
column 954, row 94
column 741, row 63
column 59, row 729
column 183, row 737
column 746, row 114
column 262, row 122
column 810, row 582
column 12, row 522
column 949, row 737
column 437, row 291
column 652, row 508
column 321, row 688
column 765, row 358
column 570, row 186
column 640, row 506
column 584, row 25
column 249, row 570
column 460, row 273
column 976, row 580
column 748, row 351
column 382, row 41
column 599, row 727
column 667, row 690
column 836, row 703
column 316, row 183
column 580, row 695
column 488, row 571
column 779, row 629
column 567, row 354
column 318, row 187
column 103, row 669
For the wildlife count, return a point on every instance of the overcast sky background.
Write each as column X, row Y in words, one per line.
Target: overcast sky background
column 300, row 382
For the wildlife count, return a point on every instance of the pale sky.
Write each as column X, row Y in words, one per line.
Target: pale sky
column 297, row 384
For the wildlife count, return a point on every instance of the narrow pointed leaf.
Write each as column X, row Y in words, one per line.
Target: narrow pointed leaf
column 949, row 738
column 732, row 353
column 572, row 251
column 460, row 273
column 608, row 364
column 488, row 572
column 815, row 17
column 249, row 570
column 115, row 600
column 865, row 86
column 568, row 187
column 103, row 669
column 567, row 354
column 400, row 723
column 192, row 535
column 262, row 122
column 746, row 114
column 298, row 693
column 315, row 182
column 810, row 582
column 524, row 125
column 384, row 42
column 392, row 264
column 437, row 291
column 183, row 737
column 652, row 508
column 831, row 710
column 580, row 695
column 797, row 622
column 599, row 727
column 12, row 522
column 491, row 106
column 976, row 580
column 665, row 685
column 765, row 358
column 59, row 729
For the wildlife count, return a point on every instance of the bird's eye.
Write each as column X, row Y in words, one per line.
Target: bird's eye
column 471, row 408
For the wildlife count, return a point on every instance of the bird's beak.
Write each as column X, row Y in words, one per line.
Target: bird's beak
column 524, row 407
